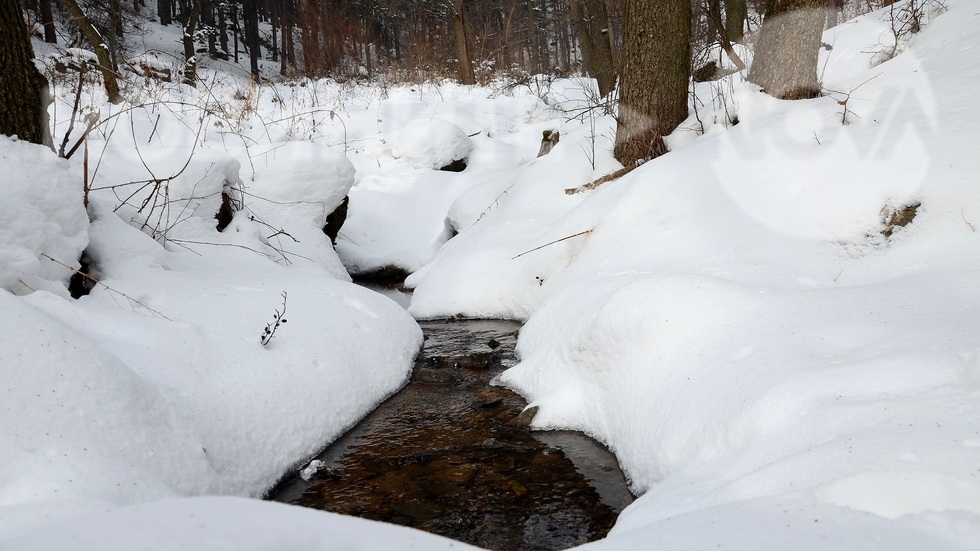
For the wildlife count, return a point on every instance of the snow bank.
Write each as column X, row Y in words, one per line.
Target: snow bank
column 431, row 143
column 294, row 187
column 42, row 219
column 219, row 523
column 155, row 386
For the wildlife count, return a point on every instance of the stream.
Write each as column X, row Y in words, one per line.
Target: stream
column 450, row 454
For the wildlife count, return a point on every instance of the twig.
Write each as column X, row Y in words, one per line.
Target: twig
column 607, row 178
column 97, row 282
column 277, row 320
column 552, row 243
column 972, row 227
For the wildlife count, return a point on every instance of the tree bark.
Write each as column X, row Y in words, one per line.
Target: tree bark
column 190, row 19
column 23, row 89
column 165, row 11
column 655, row 75
column 251, row 16
column 287, row 16
column 736, row 12
column 101, row 50
column 532, row 31
column 786, row 56
column 591, row 25
column 466, row 75
column 47, row 19
column 222, row 32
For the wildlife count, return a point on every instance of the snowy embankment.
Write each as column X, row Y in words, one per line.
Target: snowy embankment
column 155, row 386
column 771, row 370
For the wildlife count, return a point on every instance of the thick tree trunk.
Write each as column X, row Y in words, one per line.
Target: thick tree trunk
column 23, row 89
column 466, row 75
column 101, row 50
column 655, row 76
column 786, row 56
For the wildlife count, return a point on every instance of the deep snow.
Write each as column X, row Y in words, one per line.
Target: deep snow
column 771, row 371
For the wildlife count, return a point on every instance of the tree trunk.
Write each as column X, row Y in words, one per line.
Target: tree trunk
column 47, row 19
column 222, row 32
column 286, row 16
column 190, row 19
column 273, row 8
column 165, row 11
column 532, row 30
column 310, row 40
column 101, row 50
column 23, row 89
column 116, row 33
column 655, row 75
column 786, row 56
column 251, row 16
column 736, row 12
column 832, row 19
column 207, row 20
column 591, row 20
column 714, row 15
column 466, row 75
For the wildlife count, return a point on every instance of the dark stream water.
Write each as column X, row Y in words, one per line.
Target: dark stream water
column 448, row 455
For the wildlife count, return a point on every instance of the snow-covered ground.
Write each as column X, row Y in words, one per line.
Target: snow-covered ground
column 770, row 369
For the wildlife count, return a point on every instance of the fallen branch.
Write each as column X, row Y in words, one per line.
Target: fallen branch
column 551, row 243
column 607, row 178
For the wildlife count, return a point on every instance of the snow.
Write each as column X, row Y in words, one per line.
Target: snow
column 42, row 220
column 770, row 369
column 431, row 143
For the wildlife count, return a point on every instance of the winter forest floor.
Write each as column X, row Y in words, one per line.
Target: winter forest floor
column 773, row 359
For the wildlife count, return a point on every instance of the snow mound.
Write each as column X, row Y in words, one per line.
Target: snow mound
column 294, row 187
column 41, row 218
column 221, row 523
column 431, row 143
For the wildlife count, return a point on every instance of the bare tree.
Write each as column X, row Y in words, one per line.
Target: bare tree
column 99, row 44
column 23, row 89
column 656, row 69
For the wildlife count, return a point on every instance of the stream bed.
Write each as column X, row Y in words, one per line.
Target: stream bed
column 450, row 454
